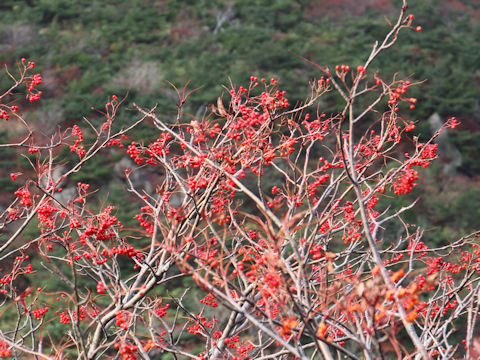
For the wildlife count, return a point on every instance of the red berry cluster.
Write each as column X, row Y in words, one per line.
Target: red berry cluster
column 25, row 196
column 405, row 183
column 100, row 287
column 4, row 115
column 5, row 350
column 38, row 313
column 127, row 350
column 162, row 311
column 77, row 146
column 209, row 300
column 32, row 93
column 122, row 319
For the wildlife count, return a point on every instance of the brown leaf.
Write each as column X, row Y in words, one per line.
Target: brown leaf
column 220, row 107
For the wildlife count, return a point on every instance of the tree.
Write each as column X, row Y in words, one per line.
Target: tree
column 278, row 214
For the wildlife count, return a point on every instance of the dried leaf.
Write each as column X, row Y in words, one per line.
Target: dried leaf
column 220, row 107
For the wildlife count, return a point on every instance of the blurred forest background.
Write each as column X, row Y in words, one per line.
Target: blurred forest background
column 87, row 50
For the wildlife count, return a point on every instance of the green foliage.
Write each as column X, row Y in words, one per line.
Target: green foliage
column 7, row 159
column 96, row 171
column 468, row 143
column 87, row 46
column 101, row 39
column 466, row 209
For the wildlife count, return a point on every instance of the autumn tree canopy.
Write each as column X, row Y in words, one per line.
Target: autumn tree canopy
column 272, row 231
